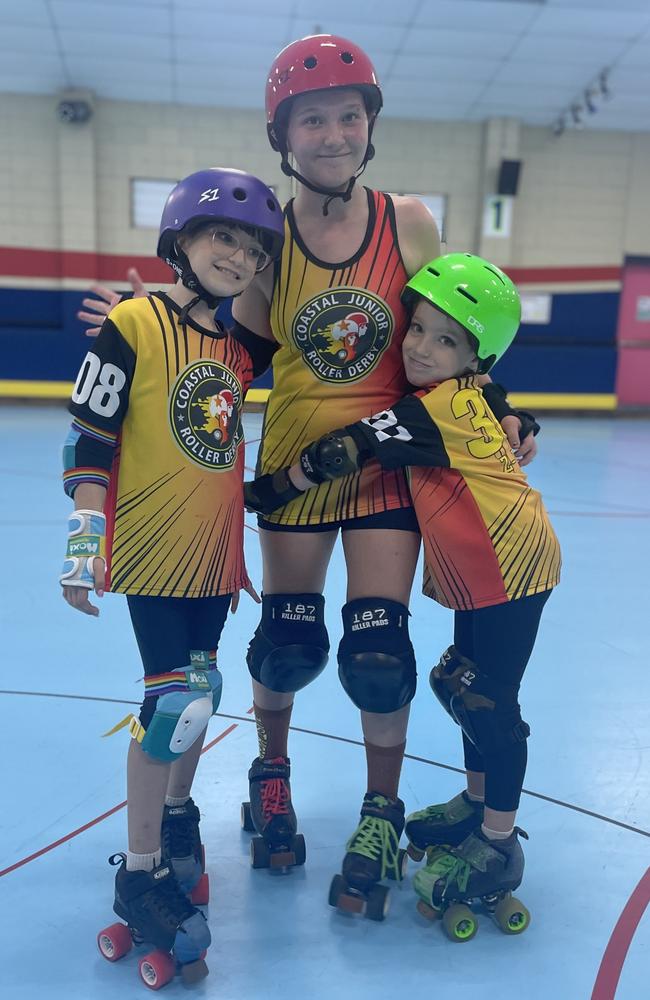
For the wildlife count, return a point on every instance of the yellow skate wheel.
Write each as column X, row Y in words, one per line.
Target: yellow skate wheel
column 511, row 916
column 459, row 922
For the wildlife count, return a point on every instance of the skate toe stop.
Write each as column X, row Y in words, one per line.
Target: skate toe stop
column 194, row 972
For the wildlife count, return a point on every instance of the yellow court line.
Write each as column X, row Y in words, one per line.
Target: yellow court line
column 532, row 400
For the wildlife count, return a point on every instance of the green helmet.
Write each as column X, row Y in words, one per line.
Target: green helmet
column 475, row 293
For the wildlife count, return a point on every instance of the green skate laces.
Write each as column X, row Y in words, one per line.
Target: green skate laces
column 455, row 867
column 454, row 811
column 376, row 839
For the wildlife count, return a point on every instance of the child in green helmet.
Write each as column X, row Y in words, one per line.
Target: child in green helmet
column 491, row 555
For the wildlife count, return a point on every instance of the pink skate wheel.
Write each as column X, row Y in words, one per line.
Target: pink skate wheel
column 114, row 941
column 157, row 969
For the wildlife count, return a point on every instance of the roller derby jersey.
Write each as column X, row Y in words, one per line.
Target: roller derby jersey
column 487, row 536
column 156, row 411
column 340, row 329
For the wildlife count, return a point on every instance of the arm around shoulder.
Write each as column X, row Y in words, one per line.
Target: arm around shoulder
column 418, row 235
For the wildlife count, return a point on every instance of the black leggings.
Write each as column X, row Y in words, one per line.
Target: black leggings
column 500, row 640
column 167, row 628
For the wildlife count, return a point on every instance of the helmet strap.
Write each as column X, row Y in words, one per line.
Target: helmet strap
column 192, row 283
column 346, row 195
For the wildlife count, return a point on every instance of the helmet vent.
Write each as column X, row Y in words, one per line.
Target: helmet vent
column 311, row 62
column 239, row 194
column 347, row 57
column 270, row 205
column 496, row 274
column 462, row 291
column 432, row 270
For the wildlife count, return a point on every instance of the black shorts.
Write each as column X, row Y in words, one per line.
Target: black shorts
column 167, row 628
column 400, row 519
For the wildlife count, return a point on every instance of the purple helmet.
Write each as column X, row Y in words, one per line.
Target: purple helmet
column 221, row 193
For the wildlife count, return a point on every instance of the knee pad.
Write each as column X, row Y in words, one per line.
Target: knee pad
column 486, row 711
column 376, row 659
column 290, row 646
column 186, row 699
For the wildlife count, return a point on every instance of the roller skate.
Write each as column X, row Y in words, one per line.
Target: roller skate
column 181, row 845
column 477, row 871
column 271, row 814
column 372, row 854
column 446, row 823
column 156, row 911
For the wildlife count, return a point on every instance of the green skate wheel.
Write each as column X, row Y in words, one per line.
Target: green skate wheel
column 511, row 916
column 377, row 902
column 459, row 922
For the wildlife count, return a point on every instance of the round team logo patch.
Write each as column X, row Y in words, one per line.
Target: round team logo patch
column 342, row 334
column 204, row 409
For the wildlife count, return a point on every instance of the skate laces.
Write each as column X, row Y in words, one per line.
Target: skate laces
column 375, row 839
column 181, row 836
column 275, row 797
column 166, row 897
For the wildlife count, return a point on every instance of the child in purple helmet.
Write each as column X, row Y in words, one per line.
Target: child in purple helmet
column 154, row 462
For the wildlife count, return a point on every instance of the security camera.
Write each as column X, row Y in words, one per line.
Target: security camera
column 74, row 112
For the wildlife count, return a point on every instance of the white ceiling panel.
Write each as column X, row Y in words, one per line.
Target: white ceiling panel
column 530, row 59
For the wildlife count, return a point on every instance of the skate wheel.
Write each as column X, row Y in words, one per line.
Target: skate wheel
column 414, row 852
column 114, row 941
column 337, row 887
column 459, row 922
column 203, row 857
column 246, row 818
column 194, row 972
column 511, row 916
column 157, row 969
column 428, row 912
column 200, row 894
column 299, row 849
column 260, row 854
column 378, row 901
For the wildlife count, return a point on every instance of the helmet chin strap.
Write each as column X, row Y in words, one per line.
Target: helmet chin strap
column 192, row 283
column 330, row 193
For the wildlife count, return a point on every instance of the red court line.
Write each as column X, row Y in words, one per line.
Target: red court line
column 620, row 941
column 98, row 819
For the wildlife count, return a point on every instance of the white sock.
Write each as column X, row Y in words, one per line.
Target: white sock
column 171, row 801
column 495, row 834
column 474, row 798
column 142, row 862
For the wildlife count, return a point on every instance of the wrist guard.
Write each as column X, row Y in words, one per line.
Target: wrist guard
column 528, row 424
column 266, row 493
column 86, row 542
column 331, row 457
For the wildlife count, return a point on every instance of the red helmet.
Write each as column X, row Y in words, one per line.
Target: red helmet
column 317, row 62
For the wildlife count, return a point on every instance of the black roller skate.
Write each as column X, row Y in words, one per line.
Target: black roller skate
column 373, row 853
column 271, row 814
column 446, row 823
column 156, row 911
column 480, row 871
column 181, row 845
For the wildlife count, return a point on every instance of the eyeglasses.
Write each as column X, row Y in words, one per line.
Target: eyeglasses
column 226, row 243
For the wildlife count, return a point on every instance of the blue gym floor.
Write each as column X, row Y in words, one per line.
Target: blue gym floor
column 68, row 678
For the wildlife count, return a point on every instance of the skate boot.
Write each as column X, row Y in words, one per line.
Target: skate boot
column 444, row 823
column 181, row 845
column 156, row 911
column 270, row 813
column 372, row 854
column 478, row 870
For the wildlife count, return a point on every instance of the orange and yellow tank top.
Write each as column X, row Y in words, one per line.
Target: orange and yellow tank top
column 340, row 329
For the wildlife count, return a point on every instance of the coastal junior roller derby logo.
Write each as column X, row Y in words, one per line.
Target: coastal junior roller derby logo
column 343, row 333
column 204, row 410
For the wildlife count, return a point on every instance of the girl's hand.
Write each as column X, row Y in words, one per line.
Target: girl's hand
column 107, row 300
column 250, row 590
column 77, row 597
